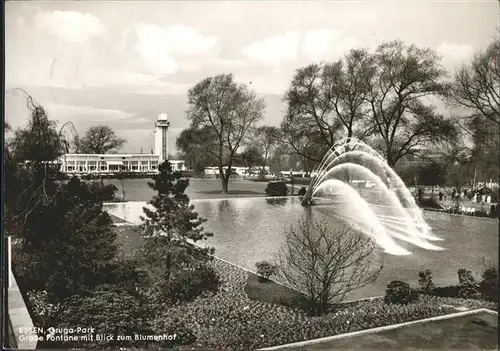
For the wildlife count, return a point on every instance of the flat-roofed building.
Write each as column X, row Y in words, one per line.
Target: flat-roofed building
column 108, row 163
column 88, row 164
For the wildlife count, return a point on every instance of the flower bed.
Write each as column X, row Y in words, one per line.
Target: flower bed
column 231, row 320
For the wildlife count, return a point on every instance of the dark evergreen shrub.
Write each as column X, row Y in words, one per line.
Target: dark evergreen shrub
column 399, row 292
column 277, row 188
column 265, row 269
column 468, row 286
column 186, row 284
column 425, row 282
column 489, row 284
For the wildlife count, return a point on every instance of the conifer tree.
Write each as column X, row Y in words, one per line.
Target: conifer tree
column 172, row 226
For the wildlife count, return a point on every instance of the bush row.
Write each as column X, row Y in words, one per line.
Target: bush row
column 468, row 287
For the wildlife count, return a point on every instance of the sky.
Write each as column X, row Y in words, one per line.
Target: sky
column 122, row 63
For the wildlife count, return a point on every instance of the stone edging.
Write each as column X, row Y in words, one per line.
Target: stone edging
column 20, row 318
column 379, row 329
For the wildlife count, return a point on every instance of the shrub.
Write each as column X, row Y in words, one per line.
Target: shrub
column 265, row 270
column 110, row 311
column 446, row 291
column 489, row 284
column 170, row 324
column 399, row 292
column 42, row 311
column 188, row 283
column 302, row 191
column 326, row 264
column 425, row 282
column 278, row 188
column 468, row 287
column 430, row 202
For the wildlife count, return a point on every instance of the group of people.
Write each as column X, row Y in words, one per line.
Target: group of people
column 475, row 195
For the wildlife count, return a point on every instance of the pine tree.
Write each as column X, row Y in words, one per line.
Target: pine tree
column 173, row 227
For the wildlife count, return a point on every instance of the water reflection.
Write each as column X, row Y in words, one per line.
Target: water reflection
column 248, row 230
column 278, row 201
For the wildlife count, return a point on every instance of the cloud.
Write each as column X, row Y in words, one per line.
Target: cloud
column 80, row 114
column 162, row 48
column 274, row 49
column 455, row 51
column 317, row 44
column 454, row 54
column 70, row 26
column 324, row 44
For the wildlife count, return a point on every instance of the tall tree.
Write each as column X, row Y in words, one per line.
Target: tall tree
column 198, row 147
column 327, row 102
column 29, row 187
column 476, row 87
column 250, row 157
column 99, row 139
column 403, row 75
column 267, row 139
column 230, row 110
column 476, row 91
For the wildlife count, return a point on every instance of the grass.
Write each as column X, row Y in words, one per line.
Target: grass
column 271, row 292
column 478, row 331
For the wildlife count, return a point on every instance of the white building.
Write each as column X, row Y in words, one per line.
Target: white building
column 240, row 171
column 107, row 164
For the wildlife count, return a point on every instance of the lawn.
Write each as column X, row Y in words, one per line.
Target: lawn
column 138, row 189
column 472, row 332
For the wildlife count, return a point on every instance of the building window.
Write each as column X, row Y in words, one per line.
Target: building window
column 70, row 168
column 114, row 168
column 144, row 163
column 71, row 163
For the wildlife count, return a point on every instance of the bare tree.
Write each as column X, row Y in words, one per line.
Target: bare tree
column 476, row 90
column 327, row 102
column 405, row 123
column 230, row 110
column 326, row 263
column 476, row 87
column 98, row 140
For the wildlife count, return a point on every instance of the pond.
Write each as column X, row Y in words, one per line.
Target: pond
column 249, row 230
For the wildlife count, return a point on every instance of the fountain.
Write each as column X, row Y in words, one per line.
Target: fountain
column 357, row 186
